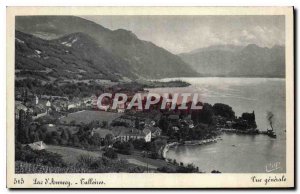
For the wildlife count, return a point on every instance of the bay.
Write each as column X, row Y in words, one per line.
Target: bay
column 238, row 153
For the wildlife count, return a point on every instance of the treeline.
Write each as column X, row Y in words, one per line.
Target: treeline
column 27, row 131
column 206, row 122
column 179, row 168
column 220, row 114
column 149, row 149
column 26, row 154
column 70, row 90
column 209, row 113
column 169, row 84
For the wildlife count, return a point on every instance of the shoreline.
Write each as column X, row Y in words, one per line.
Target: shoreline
column 167, row 147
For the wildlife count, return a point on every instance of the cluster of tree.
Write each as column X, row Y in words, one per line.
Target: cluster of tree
column 120, row 123
column 27, row 131
column 223, row 110
column 126, row 148
column 178, row 132
column 150, row 149
column 205, row 115
column 141, row 144
column 169, row 84
column 208, row 113
column 199, row 132
column 179, row 168
column 43, row 157
column 83, row 138
column 246, row 121
column 79, row 89
column 221, row 113
column 110, row 153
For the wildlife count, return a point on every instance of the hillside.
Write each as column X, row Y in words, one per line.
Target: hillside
column 238, row 61
column 57, row 59
column 144, row 59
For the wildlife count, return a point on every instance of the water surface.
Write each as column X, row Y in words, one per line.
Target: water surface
column 238, row 153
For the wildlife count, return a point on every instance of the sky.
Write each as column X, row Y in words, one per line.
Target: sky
column 180, row 34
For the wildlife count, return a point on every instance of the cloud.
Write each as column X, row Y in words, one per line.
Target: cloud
column 185, row 33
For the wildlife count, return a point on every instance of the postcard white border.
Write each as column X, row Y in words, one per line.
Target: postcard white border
column 154, row 180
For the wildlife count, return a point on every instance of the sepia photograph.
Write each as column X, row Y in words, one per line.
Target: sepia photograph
column 164, row 92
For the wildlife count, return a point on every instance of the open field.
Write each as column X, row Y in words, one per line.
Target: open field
column 87, row 116
column 139, row 163
column 142, row 161
column 70, row 155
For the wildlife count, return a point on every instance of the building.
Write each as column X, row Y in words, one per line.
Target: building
column 121, row 108
column 59, row 105
column 155, row 132
column 173, row 118
column 71, row 105
column 187, row 122
column 40, row 109
column 102, row 133
column 147, row 133
column 36, row 100
column 103, row 108
column 125, row 134
column 48, row 105
column 20, row 106
column 39, row 145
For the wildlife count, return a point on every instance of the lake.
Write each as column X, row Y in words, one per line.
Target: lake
column 238, row 153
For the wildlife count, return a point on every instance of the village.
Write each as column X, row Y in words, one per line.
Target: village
column 45, row 122
column 140, row 137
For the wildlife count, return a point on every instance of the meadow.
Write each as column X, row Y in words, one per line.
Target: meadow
column 87, row 116
column 71, row 155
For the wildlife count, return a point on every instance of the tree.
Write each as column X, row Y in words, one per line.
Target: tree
column 250, row 118
column 36, row 137
column 95, row 139
column 73, row 122
column 163, row 123
column 139, row 144
column 104, row 124
column 109, row 139
column 110, row 153
column 75, row 140
column 223, row 110
column 137, row 123
column 64, row 135
column 23, row 131
column 124, row 147
column 206, row 114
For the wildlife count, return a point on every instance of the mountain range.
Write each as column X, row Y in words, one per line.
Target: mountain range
column 70, row 47
column 84, row 49
column 238, row 61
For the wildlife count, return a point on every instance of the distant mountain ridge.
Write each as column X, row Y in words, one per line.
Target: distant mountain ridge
column 238, row 61
column 143, row 59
